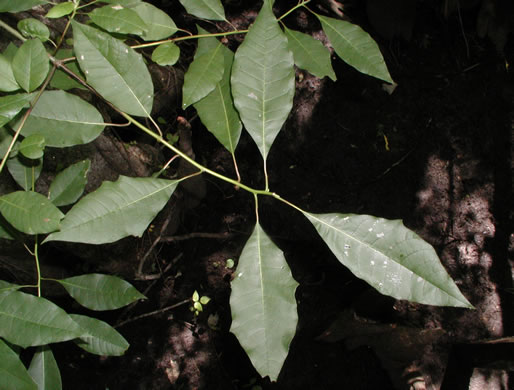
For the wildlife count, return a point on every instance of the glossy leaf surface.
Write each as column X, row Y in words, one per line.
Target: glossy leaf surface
column 33, row 28
column 263, row 304
column 23, row 172
column 64, row 120
column 118, row 19
column 69, row 184
column 205, row 9
column 113, row 69
column 30, row 212
column 158, row 24
column 27, row 320
column 355, row 47
column 8, row 82
column 263, row 80
column 13, row 374
column 202, row 76
column 101, row 292
column 390, row 257
column 11, row 105
column 30, row 64
column 310, row 54
column 44, row 370
column 100, row 338
column 115, row 210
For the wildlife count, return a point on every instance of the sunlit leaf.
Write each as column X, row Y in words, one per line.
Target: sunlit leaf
column 205, row 9
column 13, row 374
column 101, row 292
column 64, row 120
column 166, row 54
column 33, row 146
column 62, row 80
column 310, row 54
column 263, row 80
column 355, row 47
column 11, row 105
column 390, row 257
column 30, row 64
column 33, row 28
column 19, row 5
column 30, row 212
column 7, row 81
column 115, row 210
column 24, row 172
column 113, row 69
column 100, row 338
column 202, row 75
column 44, row 370
column 263, row 304
column 69, row 184
column 27, row 320
column 159, row 24
column 60, row 10
column 118, row 19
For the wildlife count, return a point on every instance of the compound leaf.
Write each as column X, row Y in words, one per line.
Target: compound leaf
column 159, row 24
column 263, row 304
column 100, row 338
column 118, row 19
column 115, row 210
column 30, row 212
column 13, row 374
column 355, row 47
column 263, row 80
column 205, row 9
column 69, row 184
column 101, row 292
column 30, row 64
column 310, row 54
column 27, row 320
column 44, row 370
column 114, row 69
column 390, row 257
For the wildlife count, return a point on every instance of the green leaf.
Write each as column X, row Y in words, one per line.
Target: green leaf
column 69, row 184
column 355, row 47
column 159, row 24
column 263, row 304
column 7, row 81
column 263, row 80
column 28, row 321
column 13, row 374
column 64, row 120
column 124, row 3
column 390, row 257
column 24, row 172
column 205, row 9
column 101, row 292
column 33, row 28
column 10, row 51
column 166, row 54
column 60, row 10
column 62, row 80
column 202, row 76
column 30, row 212
column 310, row 54
column 19, row 5
column 196, row 296
column 5, row 140
column 11, row 105
column 6, row 286
column 114, row 70
column 33, row 147
column 217, row 110
column 4, row 232
column 204, row 300
column 100, row 337
column 44, row 370
column 30, row 64
column 115, row 210
column 118, row 19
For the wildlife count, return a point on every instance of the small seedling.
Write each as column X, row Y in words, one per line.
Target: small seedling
column 198, row 302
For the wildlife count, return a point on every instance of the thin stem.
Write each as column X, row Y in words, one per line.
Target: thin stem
column 236, row 168
column 157, row 43
column 13, row 31
column 68, row 23
column 300, row 4
column 256, row 208
column 38, row 269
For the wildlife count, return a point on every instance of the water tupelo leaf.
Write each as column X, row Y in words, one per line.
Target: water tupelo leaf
column 101, row 292
column 33, row 147
column 118, row 19
column 355, row 47
column 69, row 184
column 13, row 374
column 25, row 172
column 60, row 10
column 205, row 9
column 391, row 258
column 44, row 369
column 159, row 24
column 30, row 64
column 263, row 304
column 8, row 82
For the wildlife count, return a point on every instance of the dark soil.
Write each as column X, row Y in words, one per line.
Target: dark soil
column 437, row 153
